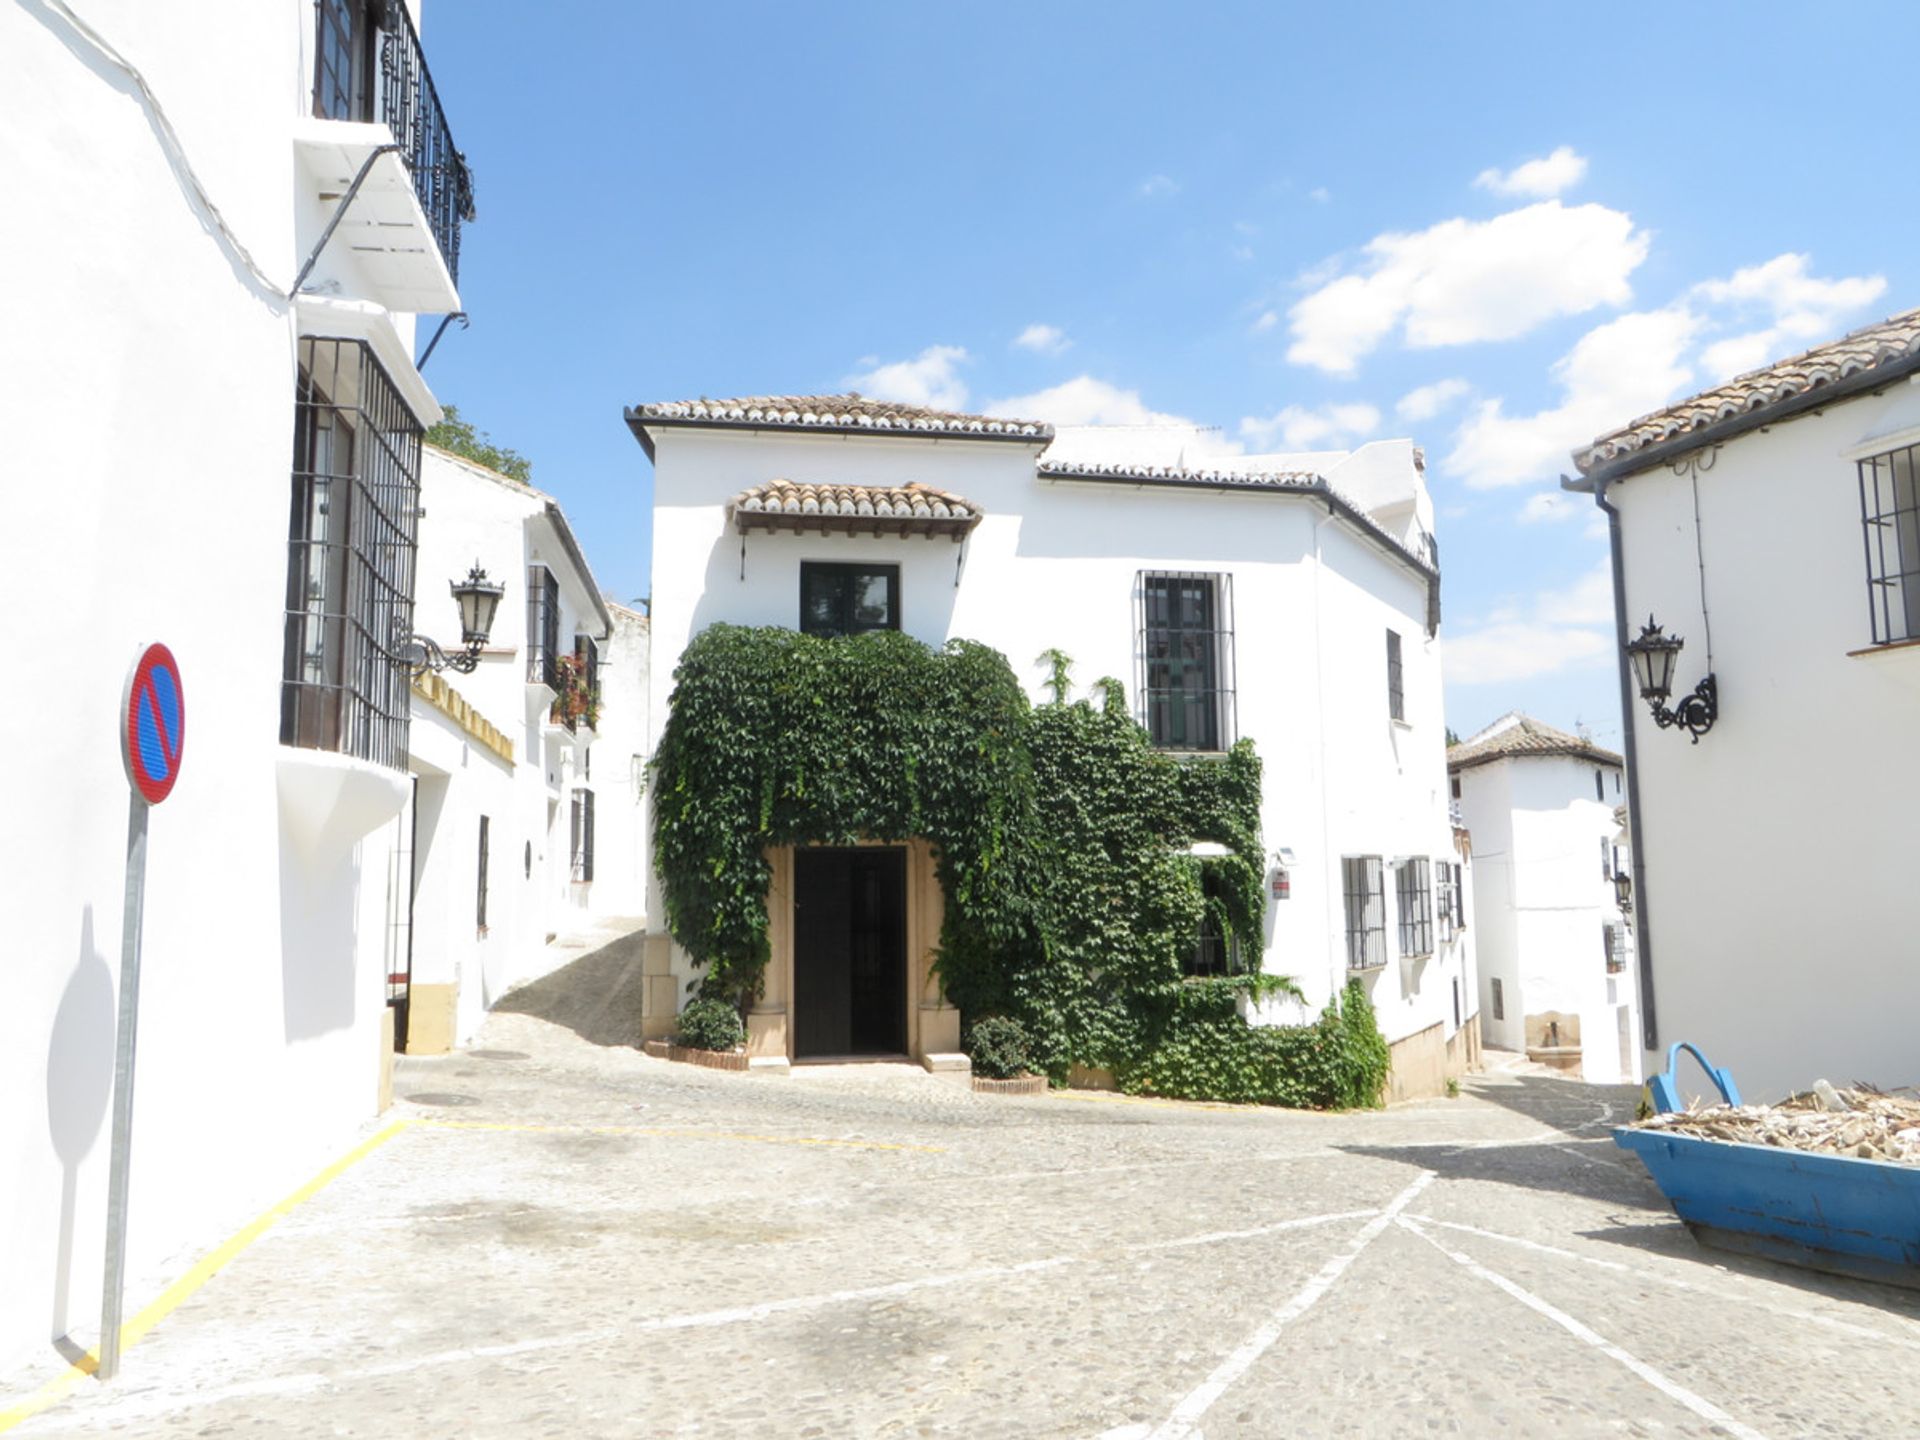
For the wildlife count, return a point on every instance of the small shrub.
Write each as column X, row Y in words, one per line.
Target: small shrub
column 999, row 1048
column 1453, row 1088
column 710, row 1025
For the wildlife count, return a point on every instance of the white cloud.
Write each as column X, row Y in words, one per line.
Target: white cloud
column 1319, row 195
column 1268, row 319
column 1429, row 400
column 1084, row 400
column 1565, row 629
column 930, row 378
column 1469, row 280
column 1520, row 650
column 1801, row 309
column 1618, row 370
column 1537, row 179
column 1043, row 340
column 1158, row 187
column 1298, row 428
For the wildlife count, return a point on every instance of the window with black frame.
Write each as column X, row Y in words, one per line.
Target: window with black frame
column 350, row 556
column 1444, row 885
column 1186, row 660
column 1366, row 898
column 543, row 628
column 480, row 898
column 1413, row 891
column 583, row 836
column 343, row 87
column 838, row 599
column 1396, row 686
column 1890, row 510
column 1214, row 952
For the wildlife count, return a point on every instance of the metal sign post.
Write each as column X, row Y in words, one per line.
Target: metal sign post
column 153, row 716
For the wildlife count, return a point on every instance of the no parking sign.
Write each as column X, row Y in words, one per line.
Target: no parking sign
column 153, row 729
column 153, row 724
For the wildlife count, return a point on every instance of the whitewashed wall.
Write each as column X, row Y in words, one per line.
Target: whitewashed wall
column 149, row 378
column 1779, row 850
column 475, row 516
column 1054, row 564
column 619, row 771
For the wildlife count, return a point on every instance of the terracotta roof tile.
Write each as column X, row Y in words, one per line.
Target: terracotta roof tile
column 1758, row 391
column 1524, row 736
column 790, row 504
column 849, row 412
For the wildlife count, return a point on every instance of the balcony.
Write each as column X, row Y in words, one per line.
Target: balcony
column 380, row 145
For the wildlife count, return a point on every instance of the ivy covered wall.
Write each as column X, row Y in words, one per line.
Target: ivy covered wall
column 1061, row 839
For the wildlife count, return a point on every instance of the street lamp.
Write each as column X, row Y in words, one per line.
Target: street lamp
column 478, row 598
column 1652, row 656
column 1623, row 889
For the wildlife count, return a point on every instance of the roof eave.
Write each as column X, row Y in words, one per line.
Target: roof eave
column 640, row 424
column 1633, row 462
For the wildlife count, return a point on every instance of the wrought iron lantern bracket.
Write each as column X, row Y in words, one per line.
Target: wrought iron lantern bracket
column 1694, row 714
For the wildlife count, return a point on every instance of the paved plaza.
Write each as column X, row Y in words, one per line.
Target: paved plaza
column 567, row 1238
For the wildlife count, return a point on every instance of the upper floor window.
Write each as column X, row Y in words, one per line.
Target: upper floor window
column 350, row 556
column 543, row 627
column 1446, row 891
column 1890, row 509
column 1185, row 633
column 1366, row 898
column 1413, row 887
column 848, row 599
column 1600, row 785
column 343, row 61
column 1396, row 689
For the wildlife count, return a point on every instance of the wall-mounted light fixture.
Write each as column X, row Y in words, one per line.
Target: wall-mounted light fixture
column 1653, row 655
column 478, row 598
column 1623, row 889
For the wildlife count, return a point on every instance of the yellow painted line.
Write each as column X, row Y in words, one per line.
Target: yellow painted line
column 176, row 1294
column 658, row 1133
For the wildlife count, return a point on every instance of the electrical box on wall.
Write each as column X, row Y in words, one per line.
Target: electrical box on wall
column 1281, row 880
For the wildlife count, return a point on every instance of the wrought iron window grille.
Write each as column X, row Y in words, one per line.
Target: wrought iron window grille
column 1413, row 890
column 1396, row 686
column 543, row 628
column 1890, row 517
column 583, row 836
column 1366, row 906
column 1184, row 669
column 350, row 563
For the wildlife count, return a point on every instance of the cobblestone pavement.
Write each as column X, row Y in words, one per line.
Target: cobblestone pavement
column 573, row 1239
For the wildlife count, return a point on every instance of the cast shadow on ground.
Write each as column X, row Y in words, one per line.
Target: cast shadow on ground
column 597, row 996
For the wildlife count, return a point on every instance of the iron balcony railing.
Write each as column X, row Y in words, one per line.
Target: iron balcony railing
column 401, row 95
column 411, row 108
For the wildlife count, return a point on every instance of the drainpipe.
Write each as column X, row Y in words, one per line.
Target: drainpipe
column 1643, row 936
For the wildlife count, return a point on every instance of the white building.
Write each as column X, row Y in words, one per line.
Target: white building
column 1552, row 944
column 1311, row 581
column 502, row 835
column 1774, row 524
column 193, row 457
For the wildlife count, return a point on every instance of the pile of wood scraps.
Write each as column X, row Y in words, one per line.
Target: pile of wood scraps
column 1861, row 1123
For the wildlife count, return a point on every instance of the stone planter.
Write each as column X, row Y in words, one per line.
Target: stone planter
column 686, row 1055
column 1019, row 1085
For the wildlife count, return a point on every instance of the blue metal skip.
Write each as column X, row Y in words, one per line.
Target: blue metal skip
column 1825, row 1212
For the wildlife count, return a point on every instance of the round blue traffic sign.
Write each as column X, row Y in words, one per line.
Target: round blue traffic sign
column 153, row 724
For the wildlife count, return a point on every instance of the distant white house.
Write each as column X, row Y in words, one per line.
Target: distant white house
column 1773, row 524
column 220, row 235
column 1290, row 599
column 1553, row 944
column 500, row 846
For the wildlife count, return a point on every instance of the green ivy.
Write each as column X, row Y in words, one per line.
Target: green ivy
column 1060, row 837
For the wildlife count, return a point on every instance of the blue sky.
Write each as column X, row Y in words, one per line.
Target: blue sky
column 1499, row 229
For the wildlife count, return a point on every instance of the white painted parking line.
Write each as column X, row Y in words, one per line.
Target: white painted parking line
column 1672, row 1389
column 1186, row 1415
column 1672, row 1282
column 140, row 1406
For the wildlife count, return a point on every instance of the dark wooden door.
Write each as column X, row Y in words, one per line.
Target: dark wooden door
column 849, row 952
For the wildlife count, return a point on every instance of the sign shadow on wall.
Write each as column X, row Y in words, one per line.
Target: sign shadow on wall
column 79, row 1087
